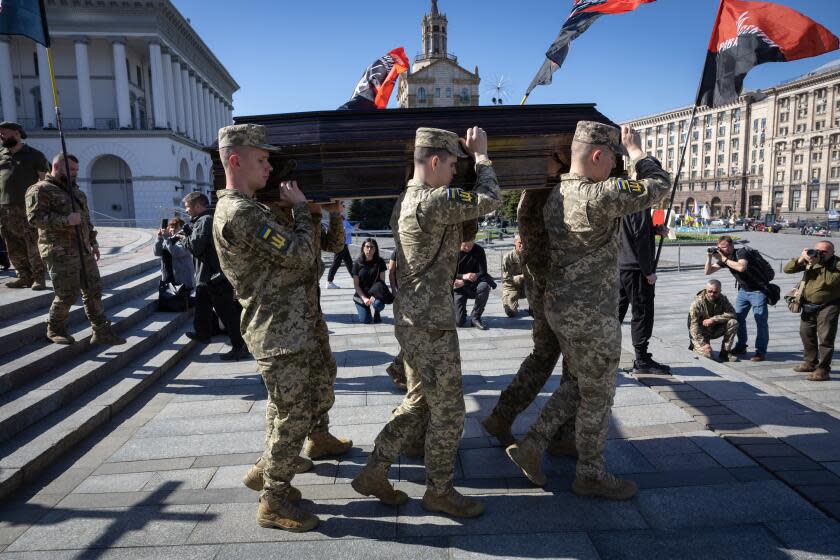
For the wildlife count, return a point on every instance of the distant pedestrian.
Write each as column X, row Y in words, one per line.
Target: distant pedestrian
column 820, row 303
column 342, row 256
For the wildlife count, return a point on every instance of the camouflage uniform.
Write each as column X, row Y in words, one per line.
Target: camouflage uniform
column 540, row 363
column 18, row 172
column 269, row 266
column 48, row 206
column 583, row 218
column 723, row 314
column 427, row 225
column 323, row 360
column 513, row 289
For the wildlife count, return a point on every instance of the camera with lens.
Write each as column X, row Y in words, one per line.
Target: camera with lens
column 713, row 250
column 815, row 253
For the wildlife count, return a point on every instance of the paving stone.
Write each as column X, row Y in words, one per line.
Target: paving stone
column 226, row 460
column 524, row 513
column 145, row 466
column 646, row 415
column 201, row 552
column 770, row 450
column 623, row 457
column 234, row 523
column 635, row 396
column 819, row 477
column 205, row 408
column 686, row 461
column 674, row 478
column 721, row 450
column 805, row 533
column 189, row 446
column 820, row 492
column 166, row 426
column 347, row 549
column 129, row 482
column 546, row 545
column 723, row 505
column 491, row 462
column 788, row 463
column 751, row 474
column 187, row 479
column 137, row 526
column 695, row 544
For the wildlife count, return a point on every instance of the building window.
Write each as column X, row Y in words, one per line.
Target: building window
column 815, row 174
column 780, row 176
column 735, row 143
column 437, row 92
column 721, row 131
column 734, row 157
column 465, row 95
column 816, row 157
column 140, row 77
column 797, row 174
column 783, row 131
column 421, row 95
column 736, row 128
column 835, row 173
column 659, row 142
column 449, row 92
column 721, row 145
column 819, row 125
column 798, row 158
column 813, row 199
column 801, row 128
column 784, row 117
column 795, row 195
column 832, row 196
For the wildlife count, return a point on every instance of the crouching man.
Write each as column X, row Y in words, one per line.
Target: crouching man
column 711, row 316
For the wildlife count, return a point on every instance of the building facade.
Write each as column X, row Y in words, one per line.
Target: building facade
column 772, row 152
column 141, row 96
column 435, row 79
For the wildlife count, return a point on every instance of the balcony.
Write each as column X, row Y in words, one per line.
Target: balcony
column 448, row 56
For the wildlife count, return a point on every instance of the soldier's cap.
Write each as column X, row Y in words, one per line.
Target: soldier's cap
column 440, row 139
column 601, row 134
column 245, row 135
column 14, row 126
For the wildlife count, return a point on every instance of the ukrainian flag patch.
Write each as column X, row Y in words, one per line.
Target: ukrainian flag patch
column 270, row 235
column 462, row 197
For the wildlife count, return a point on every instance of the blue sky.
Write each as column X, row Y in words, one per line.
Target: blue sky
column 290, row 55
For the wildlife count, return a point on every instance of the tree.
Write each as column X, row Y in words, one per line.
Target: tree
column 510, row 201
column 372, row 213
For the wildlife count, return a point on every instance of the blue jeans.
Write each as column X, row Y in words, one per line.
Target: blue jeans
column 364, row 311
column 758, row 302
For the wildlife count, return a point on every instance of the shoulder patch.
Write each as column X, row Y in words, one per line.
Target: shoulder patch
column 270, row 235
column 632, row 187
column 462, row 197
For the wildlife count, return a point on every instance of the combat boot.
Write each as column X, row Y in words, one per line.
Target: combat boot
column 373, row 481
column 562, row 448
column 324, row 444
column 282, row 514
column 253, row 479
column 607, row 486
column 452, row 503
column 106, row 337
column 528, row 456
column 19, row 282
column 39, row 285
column 499, row 428
column 819, row 374
column 59, row 336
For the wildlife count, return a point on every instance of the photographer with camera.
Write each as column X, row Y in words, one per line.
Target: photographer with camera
column 212, row 290
column 752, row 276
column 820, row 304
column 176, row 266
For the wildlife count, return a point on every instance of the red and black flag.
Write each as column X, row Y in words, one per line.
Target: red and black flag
column 747, row 34
column 25, row 17
column 584, row 13
column 374, row 89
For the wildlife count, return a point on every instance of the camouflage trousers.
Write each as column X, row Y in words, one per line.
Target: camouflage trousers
column 536, row 368
column 289, row 380
column 591, row 342
column 398, row 364
column 21, row 242
column 324, row 372
column 434, row 404
column 66, row 275
column 727, row 330
column 510, row 298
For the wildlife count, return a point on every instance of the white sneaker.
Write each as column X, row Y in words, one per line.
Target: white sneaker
column 332, row 286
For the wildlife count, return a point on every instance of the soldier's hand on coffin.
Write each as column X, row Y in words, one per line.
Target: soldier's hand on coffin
column 632, row 140
column 74, row 219
column 475, row 143
column 315, row 208
column 289, row 192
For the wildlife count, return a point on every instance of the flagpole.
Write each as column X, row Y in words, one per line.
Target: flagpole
column 67, row 167
column 684, row 150
column 524, row 98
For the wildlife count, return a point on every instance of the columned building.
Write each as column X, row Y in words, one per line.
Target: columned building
column 776, row 151
column 435, row 79
column 141, row 97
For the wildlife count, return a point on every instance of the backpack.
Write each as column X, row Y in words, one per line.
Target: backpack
column 759, row 266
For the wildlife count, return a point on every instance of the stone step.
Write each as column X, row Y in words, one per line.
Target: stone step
column 23, row 457
column 30, row 327
column 27, row 364
column 15, row 303
column 22, row 407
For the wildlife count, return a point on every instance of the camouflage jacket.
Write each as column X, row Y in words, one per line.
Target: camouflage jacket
column 48, row 207
column 535, row 252
column 333, row 242
column 269, row 266
column 511, row 268
column 427, row 232
column 583, row 219
column 720, row 311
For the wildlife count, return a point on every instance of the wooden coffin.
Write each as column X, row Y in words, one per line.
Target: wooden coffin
column 344, row 154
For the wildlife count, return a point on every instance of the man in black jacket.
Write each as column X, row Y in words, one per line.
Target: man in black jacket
column 471, row 282
column 638, row 278
column 212, row 289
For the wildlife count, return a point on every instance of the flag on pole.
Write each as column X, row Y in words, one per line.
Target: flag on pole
column 747, row 34
column 584, row 13
column 25, row 17
column 374, row 88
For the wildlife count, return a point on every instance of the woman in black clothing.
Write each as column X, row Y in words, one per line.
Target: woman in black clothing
column 368, row 269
